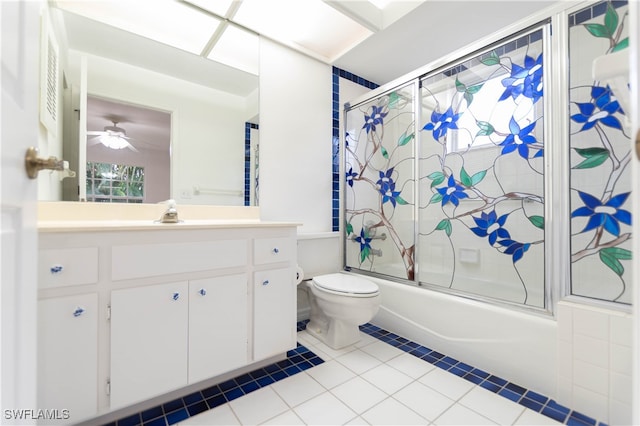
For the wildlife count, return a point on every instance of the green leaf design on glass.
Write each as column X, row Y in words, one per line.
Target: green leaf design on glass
column 385, row 154
column 597, row 30
column 468, row 97
column 537, row 221
column 436, row 198
column 349, row 228
column 465, row 178
column 474, row 89
column 477, row 178
column 485, row 128
column 401, row 200
column 611, row 257
column 611, row 19
column 405, row 139
column 364, row 254
column 460, row 87
column 624, row 43
column 445, row 225
column 493, row 59
column 393, row 99
column 437, row 178
column 593, row 157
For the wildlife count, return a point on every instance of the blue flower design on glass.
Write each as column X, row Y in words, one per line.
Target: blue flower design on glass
column 525, row 81
column 601, row 110
column 376, row 117
column 514, row 248
column 490, row 225
column 365, row 247
column 387, row 187
column 603, row 214
column 520, row 139
column 440, row 123
column 350, row 176
column 452, row 192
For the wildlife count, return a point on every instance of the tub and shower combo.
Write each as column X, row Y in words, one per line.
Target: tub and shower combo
column 487, row 195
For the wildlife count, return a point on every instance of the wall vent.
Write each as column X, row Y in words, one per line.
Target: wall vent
column 49, row 77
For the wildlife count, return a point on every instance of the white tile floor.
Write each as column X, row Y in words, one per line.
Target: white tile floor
column 374, row 383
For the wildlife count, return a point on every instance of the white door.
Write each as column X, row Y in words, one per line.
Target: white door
column 20, row 32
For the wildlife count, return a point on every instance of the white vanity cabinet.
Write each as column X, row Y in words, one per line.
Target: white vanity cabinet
column 218, row 325
column 163, row 307
column 148, row 341
column 68, row 354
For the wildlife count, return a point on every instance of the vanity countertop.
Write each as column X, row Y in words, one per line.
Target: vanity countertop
column 84, row 217
column 149, row 225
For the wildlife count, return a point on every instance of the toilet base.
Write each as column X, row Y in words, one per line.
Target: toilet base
column 335, row 334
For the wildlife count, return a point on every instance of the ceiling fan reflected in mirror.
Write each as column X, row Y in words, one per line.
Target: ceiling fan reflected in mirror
column 113, row 137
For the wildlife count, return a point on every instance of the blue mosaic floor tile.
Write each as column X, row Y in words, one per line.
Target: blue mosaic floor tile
column 215, row 401
column 177, row 416
column 160, row 421
column 133, row 420
column 152, row 413
column 192, row 398
column 197, row 408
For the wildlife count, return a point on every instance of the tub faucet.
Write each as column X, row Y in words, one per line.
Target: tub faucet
column 171, row 214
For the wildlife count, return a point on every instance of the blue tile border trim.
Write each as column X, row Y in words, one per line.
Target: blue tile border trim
column 335, row 139
column 301, row 358
column 527, row 398
column 298, row 360
column 593, row 11
column 247, row 161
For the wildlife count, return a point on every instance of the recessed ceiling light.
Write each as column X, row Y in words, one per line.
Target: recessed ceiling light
column 166, row 21
column 237, row 48
column 311, row 24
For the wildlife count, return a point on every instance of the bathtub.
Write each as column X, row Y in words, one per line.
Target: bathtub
column 517, row 346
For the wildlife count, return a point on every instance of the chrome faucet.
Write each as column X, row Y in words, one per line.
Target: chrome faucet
column 171, row 214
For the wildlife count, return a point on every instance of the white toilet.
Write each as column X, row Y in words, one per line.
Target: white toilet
column 339, row 304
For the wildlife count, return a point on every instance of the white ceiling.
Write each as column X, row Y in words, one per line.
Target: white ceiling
column 379, row 45
column 354, row 35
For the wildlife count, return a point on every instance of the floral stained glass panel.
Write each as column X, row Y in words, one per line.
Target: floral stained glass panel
column 600, row 159
column 379, row 198
column 481, row 171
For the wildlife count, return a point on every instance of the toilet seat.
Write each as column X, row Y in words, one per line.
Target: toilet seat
column 345, row 285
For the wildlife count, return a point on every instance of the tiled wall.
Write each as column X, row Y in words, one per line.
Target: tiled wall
column 335, row 143
column 247, row 161
column 594, row 361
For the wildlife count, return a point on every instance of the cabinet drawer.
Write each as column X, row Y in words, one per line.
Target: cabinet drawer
column 152, row 260
column 65, row 267
column 272, row 250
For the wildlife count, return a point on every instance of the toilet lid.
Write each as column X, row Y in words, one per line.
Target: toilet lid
column 343, row 283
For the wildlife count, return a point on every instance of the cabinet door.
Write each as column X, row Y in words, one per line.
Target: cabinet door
column 68, row 355
column 217, row 326
column 148, row 341
column 274, row 321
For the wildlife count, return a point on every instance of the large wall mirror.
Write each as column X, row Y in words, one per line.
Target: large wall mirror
column 189, row 123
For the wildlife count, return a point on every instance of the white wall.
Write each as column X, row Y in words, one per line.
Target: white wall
column 295, row 138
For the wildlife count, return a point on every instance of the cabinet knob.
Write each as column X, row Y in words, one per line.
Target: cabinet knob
column 203, row 292
column 265, row 282
column 276, row 250
column 176, row 296
column 79, row 311
column 56, row 269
